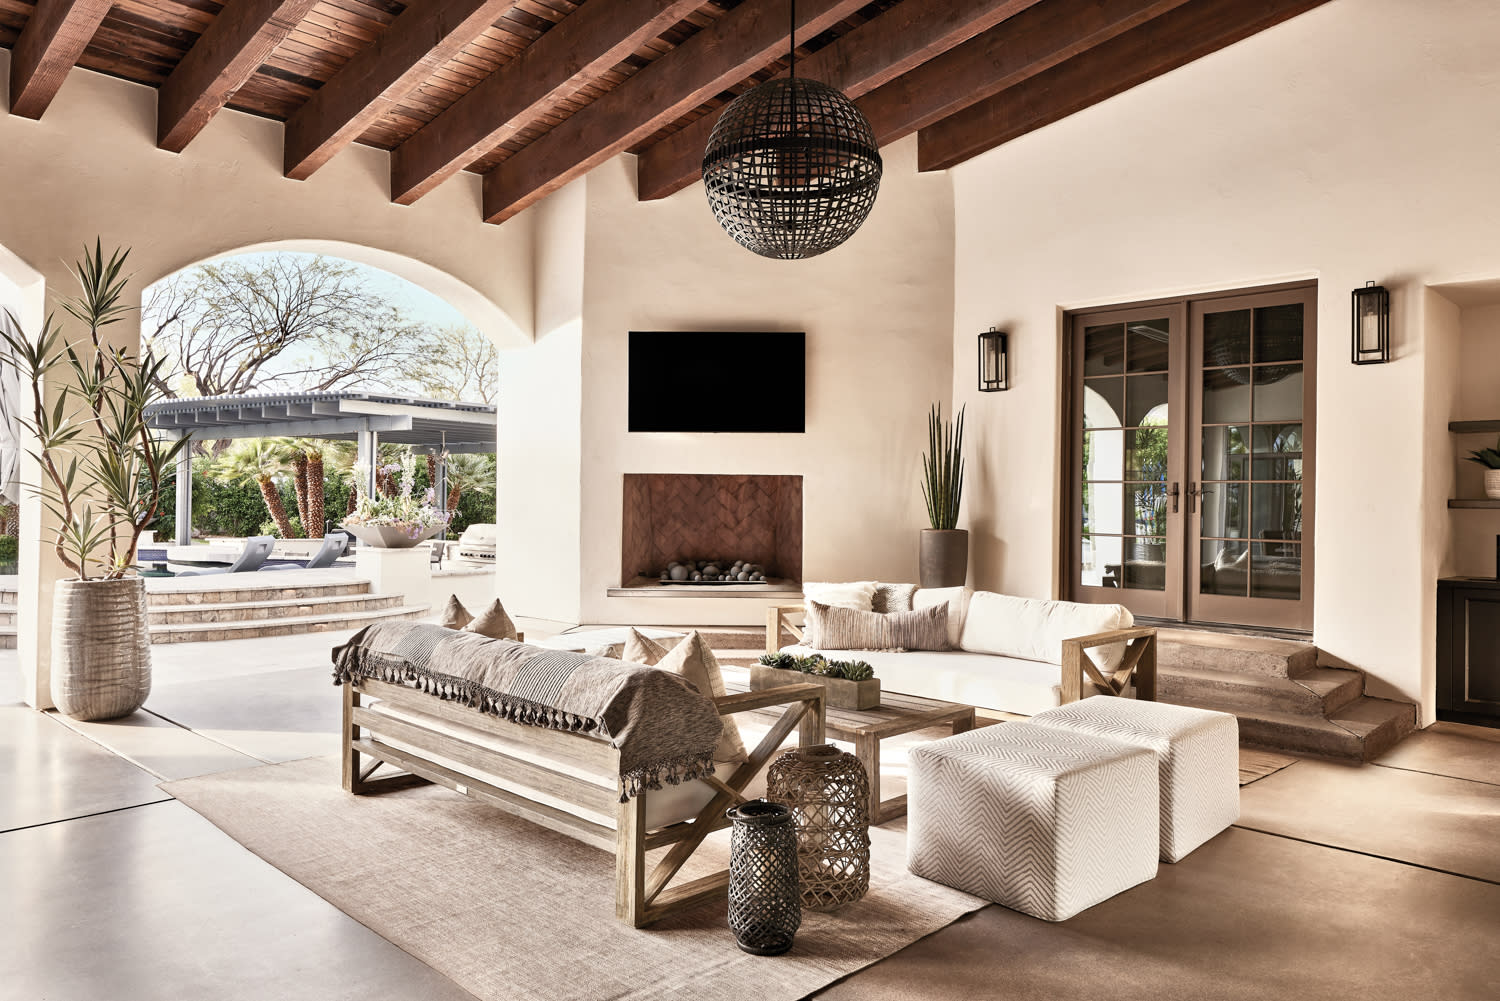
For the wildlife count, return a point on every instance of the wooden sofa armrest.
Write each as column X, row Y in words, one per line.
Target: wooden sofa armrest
column 777, row 619
column 1079, row 672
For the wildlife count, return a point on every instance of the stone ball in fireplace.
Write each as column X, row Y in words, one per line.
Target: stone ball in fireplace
column 714, row 571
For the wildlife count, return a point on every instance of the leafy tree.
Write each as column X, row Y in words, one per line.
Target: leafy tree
column 458, row 363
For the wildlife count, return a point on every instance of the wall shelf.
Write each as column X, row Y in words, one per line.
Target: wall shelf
column 1473, row 502
column 1474, row 427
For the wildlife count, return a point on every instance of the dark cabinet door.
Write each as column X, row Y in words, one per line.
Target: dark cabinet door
column 1469, row 649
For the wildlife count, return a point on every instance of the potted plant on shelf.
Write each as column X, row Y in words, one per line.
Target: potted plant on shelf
column 398, row 521
column 101, row 479
column 1489, row 458
column 945, row 547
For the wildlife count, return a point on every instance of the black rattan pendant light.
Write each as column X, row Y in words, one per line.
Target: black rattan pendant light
column 791, row 168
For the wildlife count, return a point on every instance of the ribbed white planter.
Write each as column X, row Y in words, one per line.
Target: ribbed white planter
column 1492, row 484
column 101, row 648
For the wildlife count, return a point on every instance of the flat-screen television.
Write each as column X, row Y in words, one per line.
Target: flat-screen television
column 718, row 381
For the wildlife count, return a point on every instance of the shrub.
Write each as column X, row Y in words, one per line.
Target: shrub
column 10, row 554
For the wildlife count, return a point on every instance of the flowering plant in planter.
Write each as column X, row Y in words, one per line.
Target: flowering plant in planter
column 396, row 521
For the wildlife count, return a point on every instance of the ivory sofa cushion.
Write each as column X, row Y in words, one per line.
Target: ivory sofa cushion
column 695, row 662
column 1034, row 628
column 852, row 629
column 858, row 594
column 957, row 600
column 981, row 680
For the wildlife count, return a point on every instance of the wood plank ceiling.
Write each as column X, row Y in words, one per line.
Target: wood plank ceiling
column 533, row 93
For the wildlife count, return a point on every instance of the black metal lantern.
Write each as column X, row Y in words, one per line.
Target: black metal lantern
column 792, row 168
column 1372, row 325
column 994, row 361
column 765, row 906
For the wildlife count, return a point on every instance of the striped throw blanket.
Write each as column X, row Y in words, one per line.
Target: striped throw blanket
column 663, row 729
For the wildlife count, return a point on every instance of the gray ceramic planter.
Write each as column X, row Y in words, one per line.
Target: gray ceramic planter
column 944, row 557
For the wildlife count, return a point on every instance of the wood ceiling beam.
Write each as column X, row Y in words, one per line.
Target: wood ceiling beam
column 240, row 39
column 1176, row 38
column 745, row 40
column 873, row 54
column 1030, row 43
column 580, row 49
column 54, row 37
column 421, row 39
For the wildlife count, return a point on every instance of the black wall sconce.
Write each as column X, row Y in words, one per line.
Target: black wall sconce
column 1372, row 325
column 994, row 361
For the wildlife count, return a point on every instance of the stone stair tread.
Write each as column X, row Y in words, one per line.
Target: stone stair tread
column 271, row 605
column 1362, row 731
column 1233, row 641
column 1317, row 693
column 289, row 624
column 239, row 595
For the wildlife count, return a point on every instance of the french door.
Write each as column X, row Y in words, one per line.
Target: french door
column 1189, row 467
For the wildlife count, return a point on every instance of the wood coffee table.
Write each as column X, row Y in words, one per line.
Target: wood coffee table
column 866, row 728
column 896, row 715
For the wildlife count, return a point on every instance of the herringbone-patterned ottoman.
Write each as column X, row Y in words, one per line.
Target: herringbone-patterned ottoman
column 1199, row 754
column 1047, row 822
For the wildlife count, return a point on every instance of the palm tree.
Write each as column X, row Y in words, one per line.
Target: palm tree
column 258, row 460
column 473, row 471
column 306, row 457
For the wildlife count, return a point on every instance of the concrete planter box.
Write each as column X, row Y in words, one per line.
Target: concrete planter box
column 841, row 692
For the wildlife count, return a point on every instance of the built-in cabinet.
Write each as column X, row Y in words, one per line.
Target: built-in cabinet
column 1468, row 652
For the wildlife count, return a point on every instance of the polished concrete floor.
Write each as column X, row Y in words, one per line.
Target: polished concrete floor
column 1380, row 882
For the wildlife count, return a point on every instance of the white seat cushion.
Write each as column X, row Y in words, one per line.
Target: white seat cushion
column 1034, row 628
column 1047, row 822
column 1198, row 751
column 957, row 600
column 1002, row 684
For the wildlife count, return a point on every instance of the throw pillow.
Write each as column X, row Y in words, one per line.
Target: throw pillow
column 455, row 615
column 957, row 600
column 494, row 623
column 892, row 597
column 858, row 594
column 695, row 662
column 642, row 649
column 852, row 629
column 610, row 651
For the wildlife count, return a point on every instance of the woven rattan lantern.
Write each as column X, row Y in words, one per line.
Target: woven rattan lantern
column 792, row 168
column 829, row 794
column 764, row 912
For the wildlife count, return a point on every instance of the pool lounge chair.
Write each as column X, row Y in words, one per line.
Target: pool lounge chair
column 255, row 553
column 334, row 544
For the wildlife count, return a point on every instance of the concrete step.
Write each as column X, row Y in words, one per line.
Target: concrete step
column 260, row 590
column 198, row 632
column 1275, row 658
column 247, row 611
column 1318, row 692
column 7, row 615
column 7, row 637
column 1360, row 731
column 9, row 597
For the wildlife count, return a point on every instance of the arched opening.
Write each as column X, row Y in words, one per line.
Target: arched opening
column 21, row 304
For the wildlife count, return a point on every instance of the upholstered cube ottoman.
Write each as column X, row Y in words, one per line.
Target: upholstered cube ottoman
column 1198, row 751
column 1045, row 821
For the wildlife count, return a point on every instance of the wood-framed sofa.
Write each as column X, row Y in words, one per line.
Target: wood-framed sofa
column 997, row 666
column 567, row 781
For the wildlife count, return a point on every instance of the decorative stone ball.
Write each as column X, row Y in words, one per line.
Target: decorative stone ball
column 697, row 575
column 742, row 575
column 678, row 572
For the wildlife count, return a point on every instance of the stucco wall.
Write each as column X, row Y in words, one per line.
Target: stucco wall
column 1355, row 142
column 91, row 167
column 876, row 312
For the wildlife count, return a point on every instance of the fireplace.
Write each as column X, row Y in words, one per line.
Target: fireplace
column 678, row 517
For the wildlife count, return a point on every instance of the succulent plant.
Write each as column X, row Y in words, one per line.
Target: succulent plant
column 784, row 661
column 1489, row 458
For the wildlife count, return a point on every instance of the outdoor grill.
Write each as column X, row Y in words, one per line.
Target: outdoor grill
column 476, row 546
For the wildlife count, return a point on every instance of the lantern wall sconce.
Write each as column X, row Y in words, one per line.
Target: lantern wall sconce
column 1372, row 325
column 994, row 361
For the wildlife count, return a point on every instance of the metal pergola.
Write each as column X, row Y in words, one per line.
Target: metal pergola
column 366, row 418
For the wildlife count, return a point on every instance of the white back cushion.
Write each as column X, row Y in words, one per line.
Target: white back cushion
column 857, row 595
column 957, row 600
column 1034, row 628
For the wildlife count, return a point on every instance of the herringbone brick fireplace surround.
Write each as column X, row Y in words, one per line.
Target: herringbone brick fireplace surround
column 678, row 516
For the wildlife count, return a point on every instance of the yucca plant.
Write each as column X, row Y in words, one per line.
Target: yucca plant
column 943, row 468
column 101, row 465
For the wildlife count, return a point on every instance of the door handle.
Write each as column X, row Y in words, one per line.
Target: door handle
column 1194, row 490
column 1174, row 492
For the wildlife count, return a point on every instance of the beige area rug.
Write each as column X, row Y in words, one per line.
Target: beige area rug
column 509, row 910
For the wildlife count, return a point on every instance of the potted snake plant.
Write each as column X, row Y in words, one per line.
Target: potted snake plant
column 101, row 480
column 944, row 553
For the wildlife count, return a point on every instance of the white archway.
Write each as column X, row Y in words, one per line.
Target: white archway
column 490, row 319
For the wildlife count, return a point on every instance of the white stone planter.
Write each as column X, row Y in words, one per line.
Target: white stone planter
column 1492, row 484
column 101, row 648
column 386, row 537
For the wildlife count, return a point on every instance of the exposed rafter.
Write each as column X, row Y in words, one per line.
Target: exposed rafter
column 875, row 53
column 49, row 46
column 580, row 49
column 423, row 38
column 235, row 45
column 1156, row 47
column 1032, row 42
column 745, row 40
